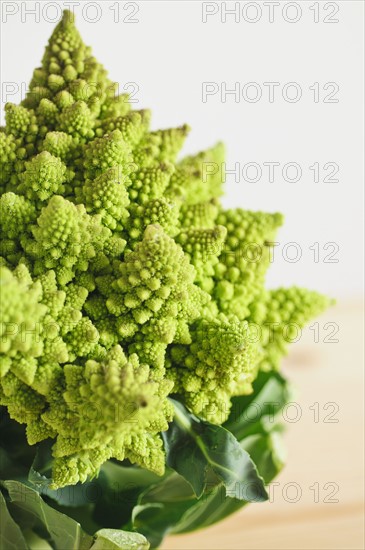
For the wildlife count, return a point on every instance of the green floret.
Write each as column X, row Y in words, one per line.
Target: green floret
column 24, row 404
column 62, row 239
column 77, row 120
column 115, row 104
column 117, row 411
column 244, row 260
column 16, row 214
column 47, row 113
column 202, row 214
column 106, row 152
column 220, row 362
column 199, row 178
column 168, row 143
column 59, row 144
column 123, row 279
column 160, row 212
column 159, row 147
column 281, row 316
column 43, row 177
column 131, row 126
column 107, row 195
column 20, row 314
column 203, row 246
column 20, row 122
column 154, row 288
column 149, row 183
column 8, row 147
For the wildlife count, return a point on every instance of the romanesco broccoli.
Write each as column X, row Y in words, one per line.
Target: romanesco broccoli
column 123, row 280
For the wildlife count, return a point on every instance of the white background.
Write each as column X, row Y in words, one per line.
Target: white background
column 169, row 53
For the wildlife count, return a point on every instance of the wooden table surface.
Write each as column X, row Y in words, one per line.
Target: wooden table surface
column 324, row 472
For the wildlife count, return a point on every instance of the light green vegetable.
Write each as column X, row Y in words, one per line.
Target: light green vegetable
column 124, row 281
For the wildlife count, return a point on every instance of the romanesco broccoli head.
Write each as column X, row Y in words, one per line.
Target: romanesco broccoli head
column 123, row 280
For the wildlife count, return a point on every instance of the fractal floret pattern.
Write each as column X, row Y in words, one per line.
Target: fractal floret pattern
column 123, row 280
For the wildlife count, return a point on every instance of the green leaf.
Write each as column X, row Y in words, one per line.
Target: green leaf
column 265, row 449
column 11, row 468
column 156, row 520
column 178, row 511
column 171, row 506
column 161, row 507
column 194, row 447
column 120, row 488
column 41, row 468
column 212, row 508
column 40, row 476
column 171, row 490
column 248, row 413
column 29, row 510
column 35, row 542
column 16, row 455
column 110, row 539
column 106, row 501
column 11, row 537
column 123, row 476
